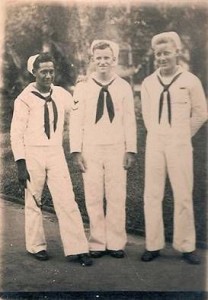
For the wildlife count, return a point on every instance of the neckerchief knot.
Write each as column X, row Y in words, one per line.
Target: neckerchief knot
column 100, row 103
column 166, row 89
column 46, row 112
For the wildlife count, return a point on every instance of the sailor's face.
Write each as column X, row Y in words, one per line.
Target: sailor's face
column 166, row 56
column 103, row 60
column 45, row 75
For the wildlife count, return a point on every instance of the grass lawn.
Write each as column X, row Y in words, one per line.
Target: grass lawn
column 134, row 207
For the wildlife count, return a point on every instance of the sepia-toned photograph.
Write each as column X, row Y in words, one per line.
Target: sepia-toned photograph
column 104, row 149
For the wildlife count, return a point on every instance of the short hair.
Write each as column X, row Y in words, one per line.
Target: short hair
column 102, row 45
column 42, row 57
column 166, row 37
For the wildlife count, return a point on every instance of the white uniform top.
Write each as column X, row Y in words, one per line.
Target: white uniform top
column 27, row 127
column 188, row 104
column 83, row 129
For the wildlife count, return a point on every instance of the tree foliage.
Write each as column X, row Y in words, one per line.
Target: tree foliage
column 68, row 30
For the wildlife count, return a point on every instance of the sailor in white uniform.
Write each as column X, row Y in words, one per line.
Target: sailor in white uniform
column 103, row 145
column 36, row 140
column 174, row 108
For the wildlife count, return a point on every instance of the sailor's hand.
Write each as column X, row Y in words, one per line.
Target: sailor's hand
column 23, row 174
column 79, row 161
column 129, row 160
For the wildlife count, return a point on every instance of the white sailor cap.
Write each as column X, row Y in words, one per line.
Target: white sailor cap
column 166, row 36
column 30, row 63
column 114, row 46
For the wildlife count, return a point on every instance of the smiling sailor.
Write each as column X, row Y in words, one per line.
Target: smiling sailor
column 36, row 140
column 174, row 108
column 103, row 146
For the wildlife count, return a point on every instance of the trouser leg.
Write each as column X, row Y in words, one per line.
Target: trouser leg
column 94, row 194
column 155, row 176
column 180, row 169
column 68, row 214
column 115, row 191
column 34, row 232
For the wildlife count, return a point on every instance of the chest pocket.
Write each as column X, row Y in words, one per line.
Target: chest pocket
column 181, row 104
column 181, row 96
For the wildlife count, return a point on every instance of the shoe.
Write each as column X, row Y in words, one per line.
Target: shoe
column 84, row 259
column 191, row 258
column 150, row 255
column 41, row 255
column 97, row 254
column 116, row 253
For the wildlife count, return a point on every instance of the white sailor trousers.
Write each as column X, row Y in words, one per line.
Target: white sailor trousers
column 48, row 164
column 105, row 177
column 172, row 156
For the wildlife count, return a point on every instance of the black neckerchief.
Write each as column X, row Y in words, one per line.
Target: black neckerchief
column 100, row 103
column 166, row 89
column 46, row 112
